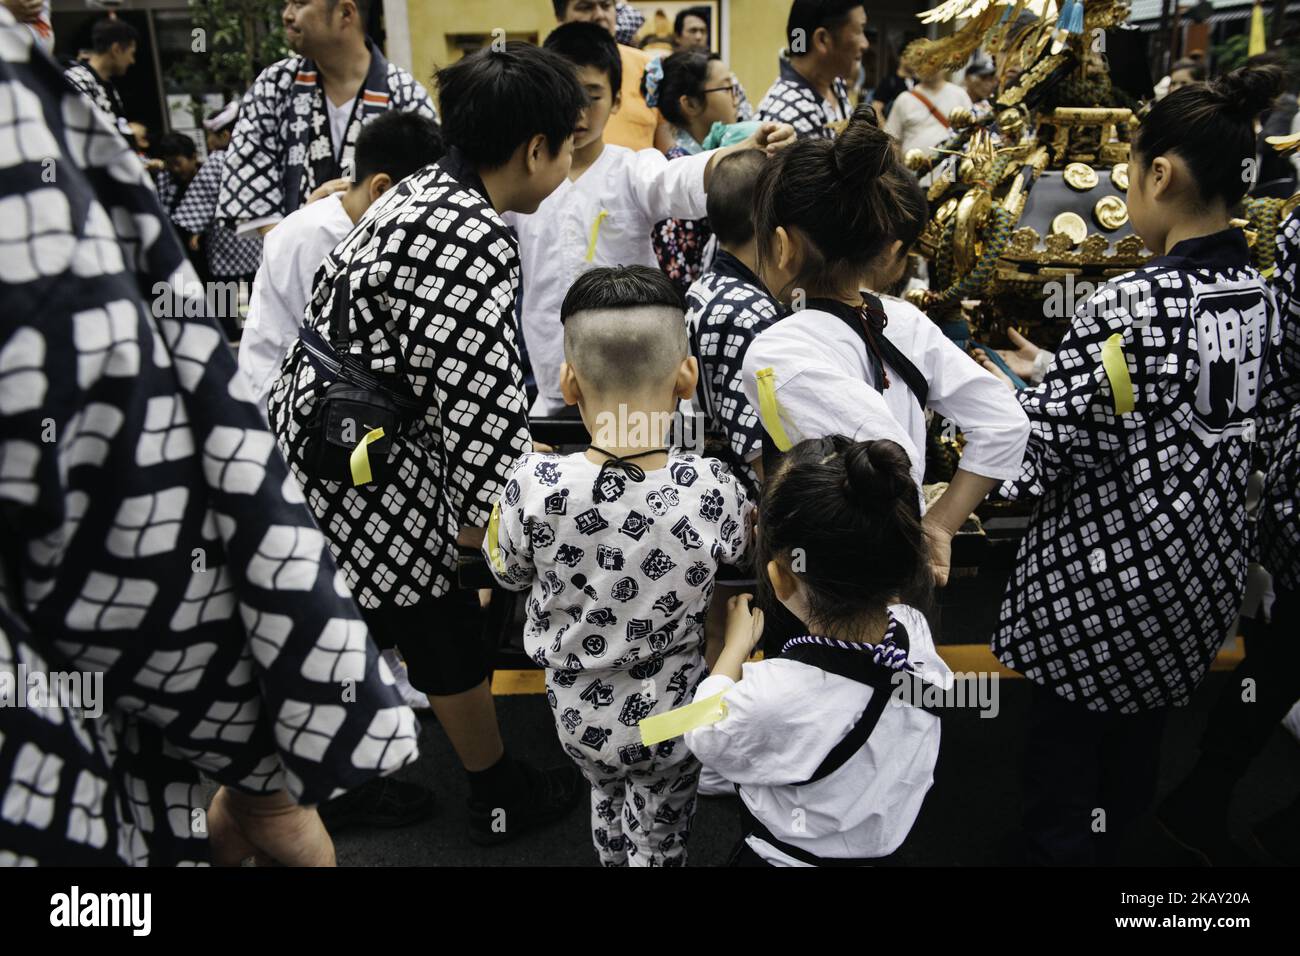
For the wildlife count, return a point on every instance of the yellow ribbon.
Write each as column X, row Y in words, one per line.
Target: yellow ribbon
column 676, row 722
column 1116, row 366
column 494, row 545
column 359, row 460
column 768, row 410
column 595, row 231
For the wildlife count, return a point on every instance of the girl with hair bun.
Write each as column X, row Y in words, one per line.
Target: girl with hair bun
column 827, row 773
column 1133, row 567
column 834, row 221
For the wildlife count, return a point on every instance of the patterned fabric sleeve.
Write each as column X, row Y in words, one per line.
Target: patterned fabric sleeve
column 1074, row 425
column 512, row 563
column 152, row 533
column 1279, row 509
column 739, row 540
column 408, row 95
column 251, row 187
column 197, row 207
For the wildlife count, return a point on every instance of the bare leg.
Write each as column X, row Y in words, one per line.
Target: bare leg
column 470, row 720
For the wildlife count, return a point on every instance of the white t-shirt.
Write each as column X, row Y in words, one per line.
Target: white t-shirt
column 821, row 377
column 339, row 117
column 784, row 717
column 914, row 126
column 291, row 254
column 604, row 218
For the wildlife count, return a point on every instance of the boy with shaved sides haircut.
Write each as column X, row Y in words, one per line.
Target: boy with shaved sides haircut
column 620, row 545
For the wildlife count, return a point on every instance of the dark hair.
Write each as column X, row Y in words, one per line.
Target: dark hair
column 685, row 74
column 849, row 197
column 701, row 13
column 810, row 15
column 175, row 144
column 1196, row 69
column 493, row 101
column 587, row 44
column 363, row 10
column 398, row 143
column 1212, row 127
column 620, row 287
column 730, row 202
column 110, row 31
column 914, row 209
column 853, row 510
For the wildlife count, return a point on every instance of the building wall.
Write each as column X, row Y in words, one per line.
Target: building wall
column 755, row 30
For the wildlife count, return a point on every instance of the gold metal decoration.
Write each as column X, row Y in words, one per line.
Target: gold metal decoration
column 1071, row 225
column 972, row 213
column 1081, row 176
column 1119, row 176
column 1111, row 212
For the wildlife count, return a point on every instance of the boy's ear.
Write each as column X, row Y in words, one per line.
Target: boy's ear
column 533, row 152
column 569, row 387
column 784, row 583
column 615, row 102
column 688, row 374
column 377, row 185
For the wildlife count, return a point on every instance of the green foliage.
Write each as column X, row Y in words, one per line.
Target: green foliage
column 231, row 42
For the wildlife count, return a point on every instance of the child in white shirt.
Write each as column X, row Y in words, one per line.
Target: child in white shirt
column 830, row 752
column 603, row 213
column 389, row 148
column 620, row 546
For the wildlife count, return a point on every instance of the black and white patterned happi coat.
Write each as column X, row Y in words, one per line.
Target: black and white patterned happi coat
column 791, row 99
column 430, row 276
column 281, row 147
column 149, row 531
column 101, row 92
column 1279, row 507
column 725, row 309
column 1134, row 562
column 229, row 255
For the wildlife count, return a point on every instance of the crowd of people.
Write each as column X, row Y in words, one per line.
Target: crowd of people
column 263, row 552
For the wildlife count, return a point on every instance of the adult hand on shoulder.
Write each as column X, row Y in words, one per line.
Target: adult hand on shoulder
column 271, row 828
column 25, row 11
column 329, row 188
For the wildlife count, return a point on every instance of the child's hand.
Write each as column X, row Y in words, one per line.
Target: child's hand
column 744, row 625
column 940, row 539
column 992, row 368
column 1021, row 359
column 329, row 188
column 772, row 136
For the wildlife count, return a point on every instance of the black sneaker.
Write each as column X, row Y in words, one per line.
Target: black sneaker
column 544, row 797
column 379, row 803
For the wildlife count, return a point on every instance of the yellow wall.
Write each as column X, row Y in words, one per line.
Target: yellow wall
column 755, row 28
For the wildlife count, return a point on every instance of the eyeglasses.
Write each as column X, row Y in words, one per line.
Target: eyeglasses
column 733, row 89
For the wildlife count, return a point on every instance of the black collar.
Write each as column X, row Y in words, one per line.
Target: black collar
column 455, row 165
column 1222, row 250
column 725, row 264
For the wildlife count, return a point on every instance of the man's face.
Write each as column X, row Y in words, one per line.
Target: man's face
column 694, row 35
column 980, row 87
column 122, row 59
column 308, row 24
column 849, row 43
column 591, row 122
column 592, row 11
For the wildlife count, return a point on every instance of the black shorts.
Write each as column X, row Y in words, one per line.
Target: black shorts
column 441, row 640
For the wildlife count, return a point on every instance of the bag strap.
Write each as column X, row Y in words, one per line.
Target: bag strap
column 934, row 110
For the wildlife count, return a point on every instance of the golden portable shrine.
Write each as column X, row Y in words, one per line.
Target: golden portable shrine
column 1030, row 199
column 1028, row 217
